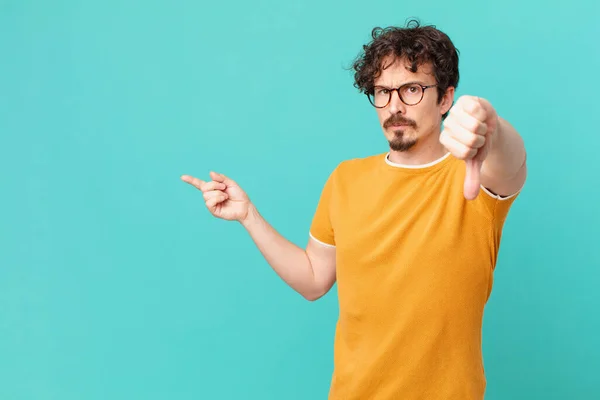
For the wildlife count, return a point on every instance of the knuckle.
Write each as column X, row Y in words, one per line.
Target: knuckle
column 473, row 141
column 448, row 123
column 452, row 114
column 483, row 128
column 471, row 107
column 444, row 138
column 474, row 126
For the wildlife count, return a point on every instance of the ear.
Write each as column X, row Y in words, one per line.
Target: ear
column 447, row 100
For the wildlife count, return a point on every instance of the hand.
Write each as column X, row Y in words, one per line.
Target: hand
column 224, row 198
column 468, row 133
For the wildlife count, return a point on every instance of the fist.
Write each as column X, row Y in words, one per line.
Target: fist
column 467, row 133
column 223, row 197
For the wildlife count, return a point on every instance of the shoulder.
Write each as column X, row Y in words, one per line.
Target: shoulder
column 359, row 165
column 488, row 203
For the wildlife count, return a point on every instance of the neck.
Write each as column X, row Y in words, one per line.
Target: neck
column 419, row 154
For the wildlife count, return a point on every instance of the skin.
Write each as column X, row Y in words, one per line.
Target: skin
column 491, row 148
column 309, row 271
column 493, row 151
column 412, row 131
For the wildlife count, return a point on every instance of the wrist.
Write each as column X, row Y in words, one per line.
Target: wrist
column 250, row 218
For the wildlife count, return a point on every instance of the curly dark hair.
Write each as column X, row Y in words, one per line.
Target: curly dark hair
column 418, row 44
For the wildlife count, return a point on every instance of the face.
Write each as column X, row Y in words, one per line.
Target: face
column 405, row 126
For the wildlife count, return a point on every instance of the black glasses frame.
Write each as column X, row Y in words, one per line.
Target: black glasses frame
column 423, row 87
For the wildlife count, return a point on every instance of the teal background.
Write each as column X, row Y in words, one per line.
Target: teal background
column 116, row 283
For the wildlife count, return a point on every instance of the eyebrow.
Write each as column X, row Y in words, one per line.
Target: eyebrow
column 406, row 83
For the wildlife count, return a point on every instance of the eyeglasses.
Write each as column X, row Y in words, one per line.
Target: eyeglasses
column 411, row 94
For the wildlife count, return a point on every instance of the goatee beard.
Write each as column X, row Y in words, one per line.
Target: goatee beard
column 399, row 143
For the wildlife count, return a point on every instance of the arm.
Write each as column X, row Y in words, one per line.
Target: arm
column 310, row 272
column 492, row 148
column 505, row 168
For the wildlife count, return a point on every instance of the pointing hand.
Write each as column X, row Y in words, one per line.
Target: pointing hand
column 224, row 198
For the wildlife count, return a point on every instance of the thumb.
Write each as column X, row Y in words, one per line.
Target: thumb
column 222, row 178
column 472, row 179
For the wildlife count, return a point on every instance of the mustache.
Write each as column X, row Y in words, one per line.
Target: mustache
column 398, row 119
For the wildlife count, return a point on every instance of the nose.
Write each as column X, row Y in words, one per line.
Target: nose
column 396, row 105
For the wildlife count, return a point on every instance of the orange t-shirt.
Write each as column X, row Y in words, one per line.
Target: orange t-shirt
column 414, row 268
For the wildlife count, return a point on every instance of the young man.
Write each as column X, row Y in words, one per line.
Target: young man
column 411, row 235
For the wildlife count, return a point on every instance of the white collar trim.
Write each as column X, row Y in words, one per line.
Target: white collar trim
column 417, row 166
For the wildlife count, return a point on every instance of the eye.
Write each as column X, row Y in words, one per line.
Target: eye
column 382, row 91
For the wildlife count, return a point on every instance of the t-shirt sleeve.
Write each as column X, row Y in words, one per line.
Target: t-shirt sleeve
column 321, row 228
column 496, row 206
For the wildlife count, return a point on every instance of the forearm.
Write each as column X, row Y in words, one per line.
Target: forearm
column 289, row 261
column 507, row 155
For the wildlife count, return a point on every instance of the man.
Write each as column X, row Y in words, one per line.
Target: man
column 412, row 235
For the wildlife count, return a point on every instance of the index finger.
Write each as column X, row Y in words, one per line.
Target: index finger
column 198, row 183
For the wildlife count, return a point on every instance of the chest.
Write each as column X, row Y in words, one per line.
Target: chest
column 419, row 237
